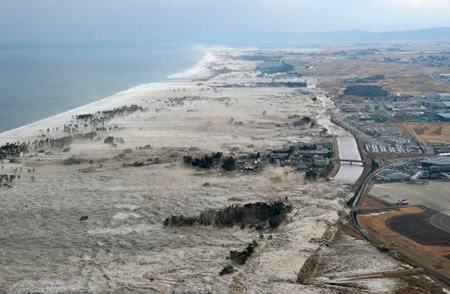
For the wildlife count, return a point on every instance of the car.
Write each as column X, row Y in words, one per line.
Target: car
column 401, row 202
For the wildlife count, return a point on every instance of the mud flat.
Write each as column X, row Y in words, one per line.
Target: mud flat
column 87, row 213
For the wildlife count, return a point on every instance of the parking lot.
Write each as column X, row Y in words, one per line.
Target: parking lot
column 434, row 194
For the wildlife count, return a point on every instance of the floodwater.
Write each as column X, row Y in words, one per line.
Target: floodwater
column 123, row 246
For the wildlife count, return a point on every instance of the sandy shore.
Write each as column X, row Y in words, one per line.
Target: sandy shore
column 124, row 171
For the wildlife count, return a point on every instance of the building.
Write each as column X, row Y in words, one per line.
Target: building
column 431, row 96
column 444, row 96
column 390, row 176
column 302, row 167
column 444, row 116
column 437, row 164
column 321, row 161
column 439, row 96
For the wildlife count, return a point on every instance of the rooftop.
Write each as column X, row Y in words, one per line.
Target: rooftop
column 445, row 115
column 444, row 160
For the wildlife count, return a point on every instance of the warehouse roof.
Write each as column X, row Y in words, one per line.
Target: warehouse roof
column 444, row 115
column 444, row 160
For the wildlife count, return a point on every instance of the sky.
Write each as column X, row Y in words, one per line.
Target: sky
column 122, row 20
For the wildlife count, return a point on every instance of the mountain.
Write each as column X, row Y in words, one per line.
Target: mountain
column 431, row 34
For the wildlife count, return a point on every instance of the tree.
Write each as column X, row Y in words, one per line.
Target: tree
column 229, row 163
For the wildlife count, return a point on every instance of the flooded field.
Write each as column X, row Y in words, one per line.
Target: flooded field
column 90, row 219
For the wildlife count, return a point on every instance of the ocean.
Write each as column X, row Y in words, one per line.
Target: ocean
column 38, row 81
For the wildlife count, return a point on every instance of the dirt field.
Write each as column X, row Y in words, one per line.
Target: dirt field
column 403, row 78
column 432, row 132
column 371, row 202
column 433, row 257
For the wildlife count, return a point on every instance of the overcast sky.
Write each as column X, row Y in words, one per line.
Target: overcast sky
column 90, row 20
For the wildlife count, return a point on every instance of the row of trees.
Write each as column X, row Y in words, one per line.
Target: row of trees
column 366, row 91
column 261, row 215
column 104, row 116
column 209, row 161
column 13, row 149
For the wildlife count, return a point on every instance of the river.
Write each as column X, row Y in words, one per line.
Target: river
column 348, row 149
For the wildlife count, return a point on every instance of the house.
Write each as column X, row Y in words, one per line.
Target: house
column 321, row 161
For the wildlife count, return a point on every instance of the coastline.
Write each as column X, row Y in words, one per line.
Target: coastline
column 346, row 173
column 128, row 188
column 28, row 130
column 95, row 106
column 198, row 69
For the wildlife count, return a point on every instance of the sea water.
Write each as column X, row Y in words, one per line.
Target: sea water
column 41, row 80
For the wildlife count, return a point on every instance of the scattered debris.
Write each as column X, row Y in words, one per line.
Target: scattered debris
column 240, row 257
column 229, row 269
column 75, row 160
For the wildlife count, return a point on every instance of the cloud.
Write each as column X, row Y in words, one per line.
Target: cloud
column 57, row 20
column 432, row 3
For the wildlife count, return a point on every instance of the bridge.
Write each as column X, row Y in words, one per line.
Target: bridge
column 351, row 161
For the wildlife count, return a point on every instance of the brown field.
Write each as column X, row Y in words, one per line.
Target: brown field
column 371, row 202
column 403, row 78
column 431, row 256
column 431, row 132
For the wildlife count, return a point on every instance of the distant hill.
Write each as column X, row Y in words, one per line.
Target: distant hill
column 431, row 34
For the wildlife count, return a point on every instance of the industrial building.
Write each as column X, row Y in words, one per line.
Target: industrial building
column 444, row 116
column 444, row 96
column 392, row 176
column 437, row 164
column 438, row 96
